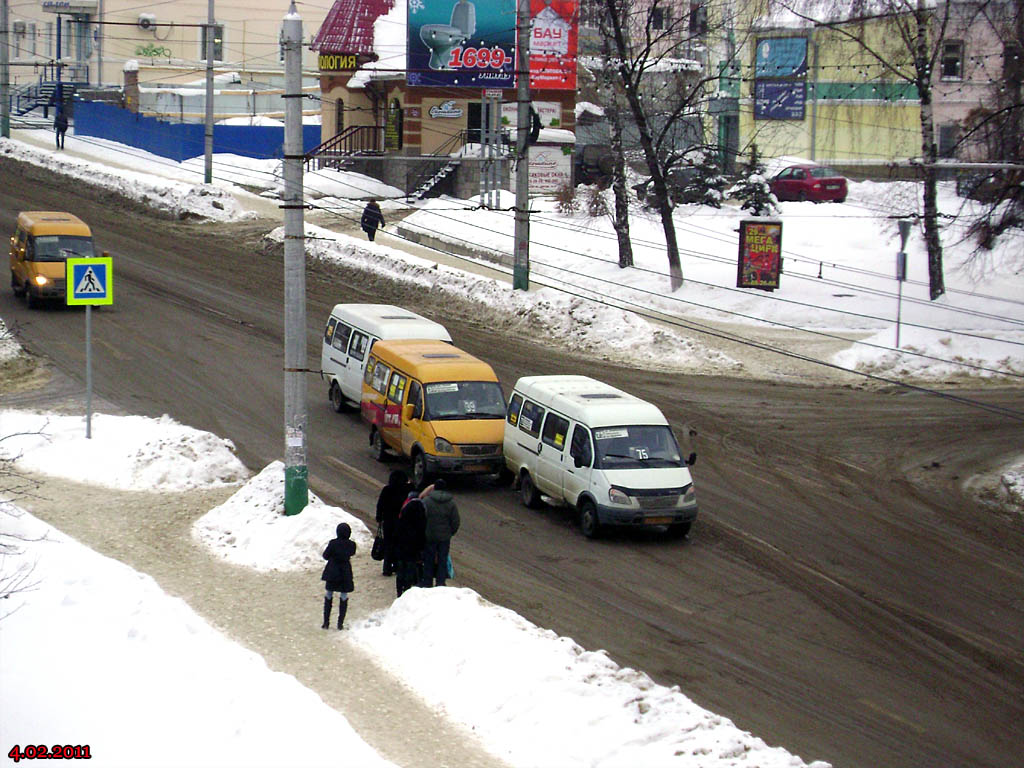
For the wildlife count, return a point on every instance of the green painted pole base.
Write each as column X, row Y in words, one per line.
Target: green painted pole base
column 520, row 278
column 296, row 489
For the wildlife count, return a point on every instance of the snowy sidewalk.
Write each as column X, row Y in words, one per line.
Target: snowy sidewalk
column 275, row 614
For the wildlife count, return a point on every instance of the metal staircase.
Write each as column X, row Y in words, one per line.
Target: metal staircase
column 354, row 141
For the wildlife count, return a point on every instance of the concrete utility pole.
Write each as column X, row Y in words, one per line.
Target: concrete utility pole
column 296, row 472
column 5, row 73
column 208, row 148
column 521, row 257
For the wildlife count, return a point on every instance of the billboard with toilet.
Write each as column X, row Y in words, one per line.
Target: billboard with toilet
column 462, row 43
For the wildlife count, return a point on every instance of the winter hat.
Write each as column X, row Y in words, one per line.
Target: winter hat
column 344, row 530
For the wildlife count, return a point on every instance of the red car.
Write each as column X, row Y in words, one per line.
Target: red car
column 809, row 182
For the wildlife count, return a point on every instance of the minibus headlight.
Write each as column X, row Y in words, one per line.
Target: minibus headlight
column 443, row 446
column 690, row 497
column 615, row 496
column 40, row 280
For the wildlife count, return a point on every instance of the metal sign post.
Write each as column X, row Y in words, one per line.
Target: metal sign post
column 901, row 273
column 89, row 282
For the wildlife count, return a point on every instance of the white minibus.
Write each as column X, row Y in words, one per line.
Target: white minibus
column 606, row 453
column 349, row 334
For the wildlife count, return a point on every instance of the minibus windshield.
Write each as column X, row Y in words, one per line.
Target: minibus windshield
column 464, row 400
column 60, row 247
column 636, row 447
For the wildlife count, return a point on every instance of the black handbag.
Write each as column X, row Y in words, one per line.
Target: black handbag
column 377, row 551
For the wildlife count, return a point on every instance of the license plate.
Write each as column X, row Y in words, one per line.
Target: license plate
column 657, row 520
column 475, row 468
column 831, row 186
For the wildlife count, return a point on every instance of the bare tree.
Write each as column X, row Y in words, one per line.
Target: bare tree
column 16, row 574
column 661, row 85
column 911, row 54
column 620, row 190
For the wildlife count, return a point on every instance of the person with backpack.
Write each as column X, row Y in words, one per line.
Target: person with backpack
column 338, row 573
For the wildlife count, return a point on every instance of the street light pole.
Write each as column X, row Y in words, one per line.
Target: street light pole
column 296, row 471
column 521, row 257
column 208, row 143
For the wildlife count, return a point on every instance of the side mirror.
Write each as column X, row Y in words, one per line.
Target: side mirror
column 691, row 459
column 578, row 461
column 407, row 411
column 106, row 254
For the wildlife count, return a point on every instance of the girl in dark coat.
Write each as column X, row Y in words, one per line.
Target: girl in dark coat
column 389, row 504
column 338, row 573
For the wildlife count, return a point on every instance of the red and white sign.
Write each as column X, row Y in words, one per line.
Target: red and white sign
column 553, row 38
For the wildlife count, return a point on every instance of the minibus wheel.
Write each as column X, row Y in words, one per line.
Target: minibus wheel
column 420, row 475
column 337, row 398
column 377, row 447
column 680, row 530
column 16, row 289
column 589, row 524
column 528, row 491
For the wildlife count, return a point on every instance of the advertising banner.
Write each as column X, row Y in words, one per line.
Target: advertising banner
column 779, row 99
column 553, row 37
column 550, row 169
column 781, row 57
column 461, row 43
column 760, row 258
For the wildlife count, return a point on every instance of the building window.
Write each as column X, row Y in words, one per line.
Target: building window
column 948, row 137
column 339, row 116
column 952, row 60
column 698, row 19
column 218, row 42
column 659, row 18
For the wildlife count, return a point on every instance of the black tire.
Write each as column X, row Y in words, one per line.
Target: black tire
column 31, row 299
column 680, row 530
column 337, row 398
column 801, row 197
column 504, row 477
column 420, row 474
column 16, row 289
column 590, row 526
column 377, row 448
column 528, row 492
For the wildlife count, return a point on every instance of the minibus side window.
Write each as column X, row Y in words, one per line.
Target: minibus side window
column 341, row 334
column 329, row 331
column 581, row 448
column 555, row 430
column 396, row 390
column 530, row 419
column 514, row 406
column 357, row 349
column 368, row 373
column 416, row 399
column 380, row 377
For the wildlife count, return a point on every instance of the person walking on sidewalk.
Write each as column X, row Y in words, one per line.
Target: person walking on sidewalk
column 442, row 523
column 389, row 504
column 338, row 573
column 372, row 218
column 60, row 125
column 410, row 539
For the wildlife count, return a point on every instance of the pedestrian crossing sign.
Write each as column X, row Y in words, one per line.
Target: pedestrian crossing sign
column 90, row 281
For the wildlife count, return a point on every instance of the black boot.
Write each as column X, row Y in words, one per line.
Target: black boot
column 327, row 613
column 342, row 610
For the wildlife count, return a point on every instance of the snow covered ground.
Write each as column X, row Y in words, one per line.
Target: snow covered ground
column 78, row 616
column 521, row 688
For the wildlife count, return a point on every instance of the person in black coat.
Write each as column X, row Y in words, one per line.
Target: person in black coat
column 389, row 504
column 60, row 125
column 410, row 539
column 338, row 573
column 372, row 218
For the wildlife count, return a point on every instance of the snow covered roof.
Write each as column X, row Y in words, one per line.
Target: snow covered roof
column 348, row 27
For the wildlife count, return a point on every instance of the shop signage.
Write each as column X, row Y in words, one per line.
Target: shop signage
column 760, row 257
column 446, row 109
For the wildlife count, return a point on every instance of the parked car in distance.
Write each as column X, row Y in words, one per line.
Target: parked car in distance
column 817, row 183
column 679, row 188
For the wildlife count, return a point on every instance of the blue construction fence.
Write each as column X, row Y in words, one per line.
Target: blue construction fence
column 181, row 141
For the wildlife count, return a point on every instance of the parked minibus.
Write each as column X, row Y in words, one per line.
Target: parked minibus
column 350, row 333
column 436, row 405
column 606, row 453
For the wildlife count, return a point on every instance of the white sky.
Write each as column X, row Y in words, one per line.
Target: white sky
column 529, row 688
